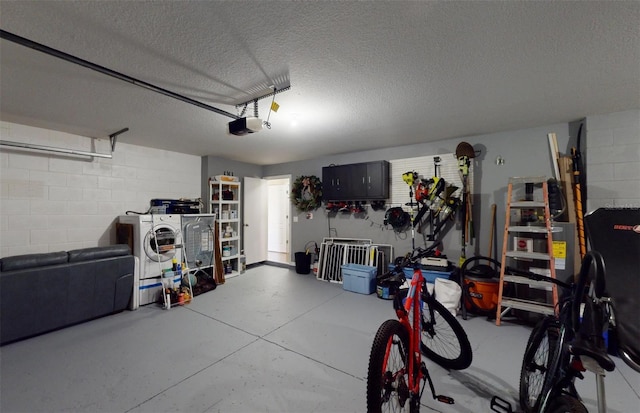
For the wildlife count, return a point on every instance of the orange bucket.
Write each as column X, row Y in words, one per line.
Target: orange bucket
column 483, row 292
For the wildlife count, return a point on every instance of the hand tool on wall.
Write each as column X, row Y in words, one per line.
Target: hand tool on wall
column 576, row 157
column 219, row 268
column 429, row 195
column 464, row 154
column 436, row 176
column 409, row 178
column 422, row 197
column 493, row 227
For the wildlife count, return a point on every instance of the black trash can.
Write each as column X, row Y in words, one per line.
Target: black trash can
column 303, row 263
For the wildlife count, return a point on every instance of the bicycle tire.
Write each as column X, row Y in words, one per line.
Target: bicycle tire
column 443, row 340
column 566, row 404
column 535, row 363
column 558, row 366
column 387, row 390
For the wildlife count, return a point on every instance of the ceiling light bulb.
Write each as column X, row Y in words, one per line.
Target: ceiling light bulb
column 294, row 119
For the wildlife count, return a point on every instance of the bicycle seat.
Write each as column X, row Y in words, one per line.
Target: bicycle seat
column 582, row 347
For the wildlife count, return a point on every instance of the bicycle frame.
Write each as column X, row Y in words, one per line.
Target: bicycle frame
column 412, row 310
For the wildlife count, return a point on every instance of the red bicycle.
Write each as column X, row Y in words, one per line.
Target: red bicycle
column 424, row 326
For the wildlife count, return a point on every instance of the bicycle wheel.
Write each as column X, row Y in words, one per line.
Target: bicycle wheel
column 566, row 404
column 536, row 362
column 443, row 340
column 387, row 379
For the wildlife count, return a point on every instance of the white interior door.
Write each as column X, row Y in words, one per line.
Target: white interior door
column 278, row 212
column 255, row 219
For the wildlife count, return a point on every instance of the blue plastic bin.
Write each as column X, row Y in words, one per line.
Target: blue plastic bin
column 359, row 278
column 430, row 276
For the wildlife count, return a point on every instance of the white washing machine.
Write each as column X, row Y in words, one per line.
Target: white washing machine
column 157, row 240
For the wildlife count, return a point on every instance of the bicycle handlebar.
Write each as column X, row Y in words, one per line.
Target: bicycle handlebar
column 411, row 258
column 592, row 260
column 536, row 277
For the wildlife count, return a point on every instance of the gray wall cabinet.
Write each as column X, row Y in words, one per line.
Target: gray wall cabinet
column 365, row 181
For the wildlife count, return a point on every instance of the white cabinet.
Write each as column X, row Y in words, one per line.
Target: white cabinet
column 224, row 201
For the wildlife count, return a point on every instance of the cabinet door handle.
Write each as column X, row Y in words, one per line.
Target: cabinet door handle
column 363, row 179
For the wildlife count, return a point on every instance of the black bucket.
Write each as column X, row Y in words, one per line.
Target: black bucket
column 303, row 263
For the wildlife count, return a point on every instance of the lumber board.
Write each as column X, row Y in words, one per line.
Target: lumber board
column 566, row 172
column 218, row 268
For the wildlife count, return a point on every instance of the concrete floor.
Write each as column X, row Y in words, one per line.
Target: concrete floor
column 269, row 340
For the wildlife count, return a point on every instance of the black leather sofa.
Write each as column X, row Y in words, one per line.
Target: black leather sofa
column 44, row 292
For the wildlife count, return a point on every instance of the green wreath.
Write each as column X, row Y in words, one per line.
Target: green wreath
column 306, row 193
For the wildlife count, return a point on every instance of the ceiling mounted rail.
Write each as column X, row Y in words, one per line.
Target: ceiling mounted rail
column 30, row 146
column 101, row 69
column 273, row 93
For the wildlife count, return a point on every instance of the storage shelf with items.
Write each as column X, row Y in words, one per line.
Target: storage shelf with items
column 224, row 202
column 528, row 245
column 177, row 286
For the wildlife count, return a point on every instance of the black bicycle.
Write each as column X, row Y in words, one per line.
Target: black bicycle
column 560, row 348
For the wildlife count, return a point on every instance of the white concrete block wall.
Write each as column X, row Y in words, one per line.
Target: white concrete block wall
column 55, row 202
column 613, row 160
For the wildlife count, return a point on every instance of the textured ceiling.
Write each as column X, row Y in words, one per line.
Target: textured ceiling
column 363, row 75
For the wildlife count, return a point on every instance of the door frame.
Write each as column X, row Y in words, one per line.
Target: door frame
column 258, row 242
column 289, row 178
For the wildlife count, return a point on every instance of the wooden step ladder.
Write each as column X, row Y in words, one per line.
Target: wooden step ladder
column 511, row 251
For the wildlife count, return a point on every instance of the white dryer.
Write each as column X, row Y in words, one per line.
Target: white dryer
column 157, row 240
